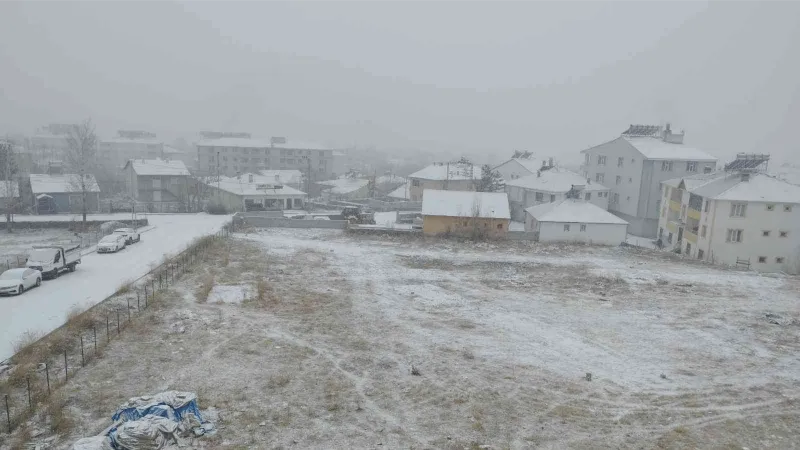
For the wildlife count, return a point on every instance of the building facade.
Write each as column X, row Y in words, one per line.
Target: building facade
column 575, row 220
column 634, row 165
column 63, row 193
column 252, row 192
column 230, row 156
column 735, row 219
column 162, row 186
column 444, row 177
column 464, row 213
column 549, row 186
column 516, row 168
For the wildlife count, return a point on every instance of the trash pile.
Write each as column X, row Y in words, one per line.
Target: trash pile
column 153, row 422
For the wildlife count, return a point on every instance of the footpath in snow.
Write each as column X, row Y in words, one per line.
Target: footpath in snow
column 44, row 309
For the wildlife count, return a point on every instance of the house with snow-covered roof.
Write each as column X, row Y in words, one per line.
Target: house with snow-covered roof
column 444, row 176
column 634, row 165
column 549, row 185
column 63, row 193
column 466, row 213
column 739, row 216
column 520, row 167
column 163, row 185
column 254, row 192
column 575, row 220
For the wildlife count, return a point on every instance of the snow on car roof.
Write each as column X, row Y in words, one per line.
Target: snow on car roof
column 465, row 204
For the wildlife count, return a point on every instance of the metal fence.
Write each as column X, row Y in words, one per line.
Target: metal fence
column 42, row 367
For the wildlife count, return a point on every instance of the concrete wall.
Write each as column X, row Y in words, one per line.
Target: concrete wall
column 271, row 222
column 595, row 233
column 436, row 225
column 418, row 186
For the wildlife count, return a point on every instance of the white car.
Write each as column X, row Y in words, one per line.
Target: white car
column 131, row 236
column 15, row 281
column 111, row 243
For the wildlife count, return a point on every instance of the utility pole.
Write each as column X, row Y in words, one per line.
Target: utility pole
column 218, row 194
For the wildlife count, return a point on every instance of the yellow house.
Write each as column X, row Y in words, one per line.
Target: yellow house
column 465, row 213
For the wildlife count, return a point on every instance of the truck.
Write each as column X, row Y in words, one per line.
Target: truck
column 52, row 260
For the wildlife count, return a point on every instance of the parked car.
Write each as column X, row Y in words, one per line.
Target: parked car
column 52, row 260
column 322, row 218
column 16, row 281
column 111, row 243
column 131, row 235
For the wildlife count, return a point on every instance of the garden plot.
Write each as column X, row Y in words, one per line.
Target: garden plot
column 319, row 353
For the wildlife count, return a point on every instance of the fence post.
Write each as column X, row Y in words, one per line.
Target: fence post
column 47, row 374
column 145, row 296
column 129, row 308
column 94, row 331
column 66, row 367
column 137, row 300
column 108, row 333
column 117, row 322
column 83, row 360
column 30, row 403
column 8, row 414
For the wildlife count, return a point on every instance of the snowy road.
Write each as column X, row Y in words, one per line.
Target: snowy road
column 98, row 276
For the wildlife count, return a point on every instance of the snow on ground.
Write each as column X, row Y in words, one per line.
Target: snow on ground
column 639, row 241
column 98, row 276
column 122, row 217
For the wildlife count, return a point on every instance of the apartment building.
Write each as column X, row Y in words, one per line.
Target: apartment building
column 551, row 185
column 236, row 155
column 447, row 176
column 128, row 145
column 736, row 217
column 162, row 185
column 634, row 165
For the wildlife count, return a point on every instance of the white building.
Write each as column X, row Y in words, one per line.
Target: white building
column 635, row 164
column 252, row 192
column 446, row 176
column 345, row 189
column 516, row 168
column 733, row 218
column 551, row 185
column 575, row 220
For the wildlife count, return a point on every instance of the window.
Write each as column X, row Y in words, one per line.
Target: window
column 770, row 207
column 691, row 166
column 601, row 160
column 616, row 198
column 552, row 198
column 703, row 231
column 707, row 169
column 734, row 235
column 700, row 254
column 669, row 238
column 620, row 161
column 587, row 159
column 666, row 166
column 583, row 227
column 738, row 209
column 633, row 160
column 787, row 208
column 765, row 233
column 779, row 260
column 630, row 180
column 628, row 199
column 566, row 227
column 660, row 233
column 664, row 211
column 784, row 234
column 588, row 196
column 415, row 183
column 706, row 207
column 499, row 226
column 600, row 177
column 619, row 179
column 762, row 259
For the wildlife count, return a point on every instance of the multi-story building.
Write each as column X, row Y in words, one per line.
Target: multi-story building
column 635, row 164
column 129, row 144
column 549, row 185
column 163, row 186
column 450, row 176
column 230, row 156
column 736, row 217
column 48, row 144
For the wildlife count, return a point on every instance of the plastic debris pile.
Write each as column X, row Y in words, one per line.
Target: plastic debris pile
column 153, row 422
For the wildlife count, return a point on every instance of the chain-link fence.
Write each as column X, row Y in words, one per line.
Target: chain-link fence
column 40, row 368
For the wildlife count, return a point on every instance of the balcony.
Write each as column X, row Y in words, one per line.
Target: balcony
column 672, row 226
column 675, row 206
column 689, row 236
column 693, row 214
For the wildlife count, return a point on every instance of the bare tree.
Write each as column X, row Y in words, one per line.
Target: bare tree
column 8, row 168
column 80, row 158
column 199, row 190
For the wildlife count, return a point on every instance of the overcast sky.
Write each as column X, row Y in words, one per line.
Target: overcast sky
column 483, row 78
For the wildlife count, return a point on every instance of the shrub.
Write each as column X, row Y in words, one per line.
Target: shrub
column 216, row 209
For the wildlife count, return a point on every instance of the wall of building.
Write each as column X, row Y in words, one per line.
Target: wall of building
column 235, row 160
column 418, row 186
column 626, row 193
column 72, row 202
column 595, row 233
column 271, row 222
column 520, row 199
column 512, row 170
column 438, row 225
column 236, row 203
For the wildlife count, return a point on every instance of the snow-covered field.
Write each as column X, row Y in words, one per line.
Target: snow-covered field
column 98, row 276
column 309, row 337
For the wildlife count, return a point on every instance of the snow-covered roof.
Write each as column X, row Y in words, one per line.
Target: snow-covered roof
column 344, row 185
column 259, row 143
column 439, row 171
column 555, row 180
column 172, row 150
column 156, row 167
column 9, row 188
column 465, row 204
column 389, row 179
column 42, row 183
column 656, row 148
column 402, row 192
column 760, row 187
column 123, row 140
column 531, row 164
column 282, row 176
column 572, row 211
column 259, row 186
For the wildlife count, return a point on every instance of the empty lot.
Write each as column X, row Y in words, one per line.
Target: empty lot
column 307, row 339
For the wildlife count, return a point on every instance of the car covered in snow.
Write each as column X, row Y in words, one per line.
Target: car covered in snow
column 131, row 235
column 111, row 243
column 16, row 281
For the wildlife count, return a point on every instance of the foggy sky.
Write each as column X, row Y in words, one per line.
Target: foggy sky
column 482, row 78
